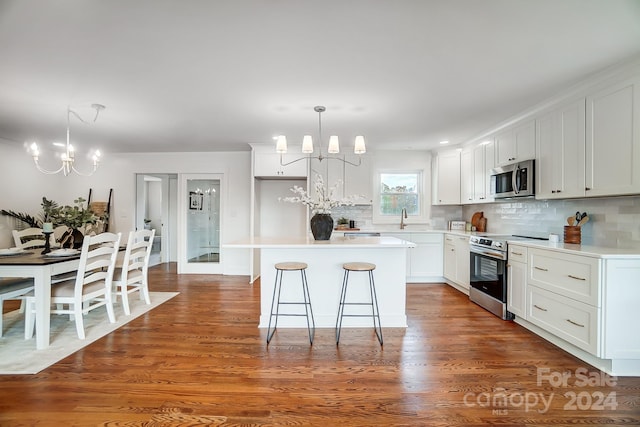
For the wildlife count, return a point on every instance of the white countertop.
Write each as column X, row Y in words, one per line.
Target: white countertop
column 585, row 250
column 308, row 242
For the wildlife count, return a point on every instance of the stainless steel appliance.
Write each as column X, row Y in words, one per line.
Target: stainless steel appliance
column 488, row 275
column 488, row 272
column 514, row 180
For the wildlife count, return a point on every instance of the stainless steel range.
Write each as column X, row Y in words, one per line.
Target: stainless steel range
column 488, row 275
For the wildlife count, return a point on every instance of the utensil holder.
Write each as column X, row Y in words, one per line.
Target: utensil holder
column 572, row 234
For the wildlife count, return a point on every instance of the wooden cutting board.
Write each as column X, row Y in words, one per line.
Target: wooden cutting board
column 475, row 219
column 482, row 225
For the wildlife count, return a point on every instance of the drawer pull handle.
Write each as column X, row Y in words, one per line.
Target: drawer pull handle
column 574, row 323
column 575, row 277
column 540, row 308
column 517, row 253
column 540, row 268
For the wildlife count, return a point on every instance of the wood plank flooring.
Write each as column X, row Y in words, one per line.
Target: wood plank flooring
column 200, row 359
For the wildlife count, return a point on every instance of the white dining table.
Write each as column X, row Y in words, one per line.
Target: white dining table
column 41, row 268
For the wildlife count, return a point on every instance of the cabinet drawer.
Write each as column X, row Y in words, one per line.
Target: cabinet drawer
column 573, row 276
column 568, row 319
column 434, row 238
column 517, row 253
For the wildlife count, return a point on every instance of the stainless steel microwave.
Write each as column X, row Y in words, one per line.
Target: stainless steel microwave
column 514, row 180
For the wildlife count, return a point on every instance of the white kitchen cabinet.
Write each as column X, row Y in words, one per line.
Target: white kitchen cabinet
column 456, row 260
column 516, row 143
column 466, row 175
column 560, row 159
column 517, row 281
column 613, row 140
column 267, row 165
column 483, row 162
column 446, row 178
column 424, row 261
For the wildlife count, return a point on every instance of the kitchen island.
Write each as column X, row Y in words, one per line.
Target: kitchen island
column 324, row 275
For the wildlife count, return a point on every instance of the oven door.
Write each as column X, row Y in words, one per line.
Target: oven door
column 488, row 273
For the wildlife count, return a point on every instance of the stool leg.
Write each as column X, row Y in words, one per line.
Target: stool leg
column 374, row 307
column 307, row 303
column 277, row 286
column 343, row 295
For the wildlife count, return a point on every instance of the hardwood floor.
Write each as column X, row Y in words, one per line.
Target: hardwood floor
column 200, row 359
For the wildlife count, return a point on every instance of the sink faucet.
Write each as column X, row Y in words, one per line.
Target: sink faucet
column 403, row 216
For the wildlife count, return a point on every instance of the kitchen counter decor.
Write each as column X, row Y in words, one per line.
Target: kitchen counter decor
column 320, row 202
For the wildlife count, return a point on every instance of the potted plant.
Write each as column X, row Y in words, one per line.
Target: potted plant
column 343, row 223
column 74, row 217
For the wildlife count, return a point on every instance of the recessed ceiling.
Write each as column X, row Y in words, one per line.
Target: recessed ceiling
column 199, row 75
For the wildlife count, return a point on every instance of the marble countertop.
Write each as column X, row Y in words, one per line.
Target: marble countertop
column 309, row 242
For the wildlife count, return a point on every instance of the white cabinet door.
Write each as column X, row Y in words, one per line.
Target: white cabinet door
column 516, row 143
column 517, row 281
column 463, row 268
column 483, row 162
column 560, row 165
column 450, row 259
column 613, row 140
column 268, row 165
column 446, row 178
column 466, row 176
column 426, row 257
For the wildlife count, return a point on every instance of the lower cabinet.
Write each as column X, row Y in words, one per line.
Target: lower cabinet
column 456, row 260
column 517, row 281
column 585, row 304
column 424, row 262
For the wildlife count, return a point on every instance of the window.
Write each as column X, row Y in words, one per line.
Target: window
column 399, row 191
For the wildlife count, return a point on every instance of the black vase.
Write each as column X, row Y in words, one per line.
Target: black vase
column 321, row 226
column 72, row 239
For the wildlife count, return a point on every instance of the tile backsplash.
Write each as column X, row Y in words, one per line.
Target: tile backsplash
column 613, row 221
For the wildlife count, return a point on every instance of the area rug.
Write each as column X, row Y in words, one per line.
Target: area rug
column 19, row 356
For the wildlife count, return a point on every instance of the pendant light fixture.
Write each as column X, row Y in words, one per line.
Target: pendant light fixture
column 332, row 148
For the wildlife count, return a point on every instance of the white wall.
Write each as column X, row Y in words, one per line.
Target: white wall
column 23, row 187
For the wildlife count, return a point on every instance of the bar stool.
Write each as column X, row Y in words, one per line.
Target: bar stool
column 375, row 313
column 277, row 287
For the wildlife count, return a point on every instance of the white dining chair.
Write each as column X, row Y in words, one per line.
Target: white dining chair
column 13, row 289
column 132, row 276
column 90, row 289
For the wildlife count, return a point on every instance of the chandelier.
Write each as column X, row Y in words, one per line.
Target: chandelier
column 333, row 147
column 68, row 157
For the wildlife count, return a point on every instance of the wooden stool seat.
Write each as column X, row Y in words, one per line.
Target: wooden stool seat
column 359, row 266
column 281, row 267
column 291, row 266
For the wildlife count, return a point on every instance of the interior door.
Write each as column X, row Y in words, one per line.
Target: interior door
column 200, row 207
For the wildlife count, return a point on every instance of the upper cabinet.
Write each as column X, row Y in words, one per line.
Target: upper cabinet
column 475, row 164
column 516, row 143
column 560, row 159
column 466, row 175
column 446, row 178
column 267, row 165
column 613, row 140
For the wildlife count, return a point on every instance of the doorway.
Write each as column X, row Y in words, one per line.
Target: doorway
column 156, row 208
column 200, row 224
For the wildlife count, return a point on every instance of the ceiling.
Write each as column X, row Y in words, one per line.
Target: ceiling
column 200, row 75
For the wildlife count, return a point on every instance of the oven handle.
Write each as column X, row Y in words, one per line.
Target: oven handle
column 491, row 254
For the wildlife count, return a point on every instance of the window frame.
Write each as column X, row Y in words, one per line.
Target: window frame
column 423, row 211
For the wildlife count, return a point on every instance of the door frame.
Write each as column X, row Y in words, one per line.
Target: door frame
column 185, row 267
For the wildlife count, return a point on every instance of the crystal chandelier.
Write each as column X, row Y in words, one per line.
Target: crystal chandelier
column 333, row 148
column 68, row 157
